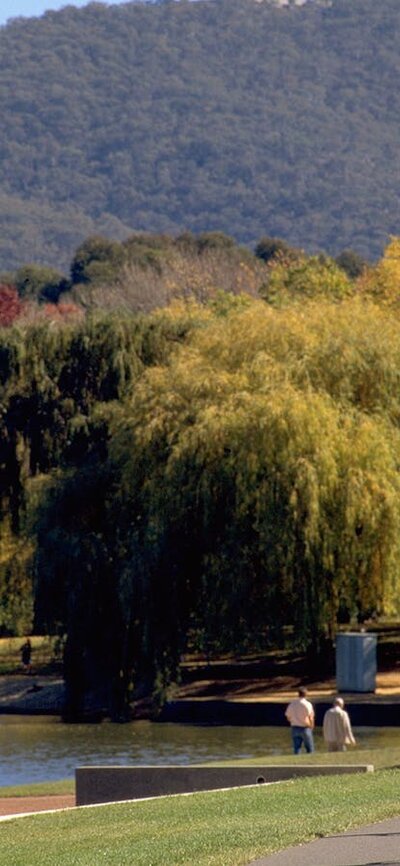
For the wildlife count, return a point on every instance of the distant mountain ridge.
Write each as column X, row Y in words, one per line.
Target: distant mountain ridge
column 230, row 115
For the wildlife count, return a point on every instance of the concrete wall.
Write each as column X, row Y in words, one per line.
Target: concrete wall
column 108, row 784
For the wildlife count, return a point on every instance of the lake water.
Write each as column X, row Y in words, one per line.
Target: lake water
column 35, row 749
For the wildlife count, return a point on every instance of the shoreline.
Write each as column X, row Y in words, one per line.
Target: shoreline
column 250, row 702
column 24, row 694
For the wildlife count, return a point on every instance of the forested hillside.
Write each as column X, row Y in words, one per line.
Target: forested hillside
column 224, row 115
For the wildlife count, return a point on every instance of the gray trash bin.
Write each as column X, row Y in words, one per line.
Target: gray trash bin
column 356, row 662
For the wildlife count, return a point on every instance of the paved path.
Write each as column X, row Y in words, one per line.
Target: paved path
column 22, row 805
column 373, row 845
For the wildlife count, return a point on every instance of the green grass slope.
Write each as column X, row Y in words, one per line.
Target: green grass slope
column 213, row 829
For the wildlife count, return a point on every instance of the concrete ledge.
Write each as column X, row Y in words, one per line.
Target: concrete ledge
column 108, row 784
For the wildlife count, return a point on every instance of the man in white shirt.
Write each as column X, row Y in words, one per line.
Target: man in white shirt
column 300, row 715
column 336, row 728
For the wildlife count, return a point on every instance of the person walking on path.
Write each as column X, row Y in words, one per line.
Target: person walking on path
column 336, row 727
column 301, row 717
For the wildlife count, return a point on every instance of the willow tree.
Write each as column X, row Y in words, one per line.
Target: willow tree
column 244, row 480
column 79, row 529
column 256, row 499
column 53, row 377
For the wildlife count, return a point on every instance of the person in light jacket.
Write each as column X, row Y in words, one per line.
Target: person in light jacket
column 336, row 727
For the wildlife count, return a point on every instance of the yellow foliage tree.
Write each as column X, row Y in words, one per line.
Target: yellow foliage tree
column 382, row 281
column 305, row 278
column 283, row 477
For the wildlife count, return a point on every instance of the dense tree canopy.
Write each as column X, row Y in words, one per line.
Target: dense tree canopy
column 219, row 473
column 250, row 487
column 242, row 450
column 226, row 115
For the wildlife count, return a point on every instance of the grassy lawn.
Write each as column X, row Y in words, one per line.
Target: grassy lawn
column 379, row 758
column 225, row 828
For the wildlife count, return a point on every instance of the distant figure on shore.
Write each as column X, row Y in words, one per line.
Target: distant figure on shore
column 300, row 715
column 26, row 653
column 336, row 727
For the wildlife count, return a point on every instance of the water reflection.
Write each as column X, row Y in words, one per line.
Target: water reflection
column 34, row 749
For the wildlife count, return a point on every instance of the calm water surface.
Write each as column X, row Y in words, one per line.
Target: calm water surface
column 35, row 749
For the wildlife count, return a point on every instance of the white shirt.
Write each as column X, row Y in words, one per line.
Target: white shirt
column 300, row 712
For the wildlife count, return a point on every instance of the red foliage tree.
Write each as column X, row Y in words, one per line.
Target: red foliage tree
column 10, row 305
